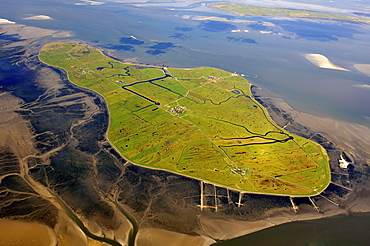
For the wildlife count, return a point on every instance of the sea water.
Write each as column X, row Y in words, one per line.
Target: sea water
column 274, row 60
column 335, row 231
column 180, row 36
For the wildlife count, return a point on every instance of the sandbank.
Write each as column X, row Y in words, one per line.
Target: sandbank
column 363, row 68
column 38, row 17
column 238, row 30
column 30, row 32
column 363, row 86
column 5, row 21
column 160, row 237
column 265, row 32
column 323, row 62
column 86, row 2
column 19, row 233
column 212, row 18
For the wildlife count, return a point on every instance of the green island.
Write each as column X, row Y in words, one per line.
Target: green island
column 245, row 9
column 202, row 123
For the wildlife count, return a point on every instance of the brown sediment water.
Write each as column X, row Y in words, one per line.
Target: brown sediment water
column 19, row 233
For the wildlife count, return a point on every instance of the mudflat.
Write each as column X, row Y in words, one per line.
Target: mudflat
column 19, row 233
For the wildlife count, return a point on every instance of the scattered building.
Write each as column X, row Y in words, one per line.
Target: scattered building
column 177, row 110
column 343, row 163
column 239, row 171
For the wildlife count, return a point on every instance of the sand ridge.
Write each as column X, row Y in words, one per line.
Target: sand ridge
column 5, row 21
column 323, row 62
column 38, row 17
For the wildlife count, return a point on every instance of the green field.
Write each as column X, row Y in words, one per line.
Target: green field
column 245, row 9
column 201, row 122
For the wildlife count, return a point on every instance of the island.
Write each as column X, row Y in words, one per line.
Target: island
column 246, row 9
column 202, row 123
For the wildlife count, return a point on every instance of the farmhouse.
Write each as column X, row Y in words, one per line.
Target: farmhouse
column 342, row 162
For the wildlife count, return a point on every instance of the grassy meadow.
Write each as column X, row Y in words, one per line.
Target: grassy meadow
column 201, row 122
column 245, row 9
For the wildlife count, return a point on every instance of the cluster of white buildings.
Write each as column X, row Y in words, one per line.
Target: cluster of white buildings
column 178, row 110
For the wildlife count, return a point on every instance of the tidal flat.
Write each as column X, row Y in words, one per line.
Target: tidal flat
column 18, row 233
column 60, row 131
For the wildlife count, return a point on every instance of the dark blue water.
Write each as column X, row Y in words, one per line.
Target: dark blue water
column 336, row 231
column 216, row 26
column 131, row 40
column 243, row 40
column 11, row 37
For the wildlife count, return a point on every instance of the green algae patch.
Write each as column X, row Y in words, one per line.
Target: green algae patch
column 202, row 123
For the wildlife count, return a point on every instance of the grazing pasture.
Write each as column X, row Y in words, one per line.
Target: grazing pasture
column 203, row 123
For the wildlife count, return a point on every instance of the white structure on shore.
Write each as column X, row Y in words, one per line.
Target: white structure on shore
column 342, row 162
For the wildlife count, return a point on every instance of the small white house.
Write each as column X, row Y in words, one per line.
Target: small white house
column 343, row 163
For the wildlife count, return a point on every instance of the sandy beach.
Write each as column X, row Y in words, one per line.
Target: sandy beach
column 5, row 21
column 38, row 17
column 323, row 62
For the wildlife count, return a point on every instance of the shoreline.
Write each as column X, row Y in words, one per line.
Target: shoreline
column 350, row 204
column 252, row 226
column 230, row 229
column 280, row 215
